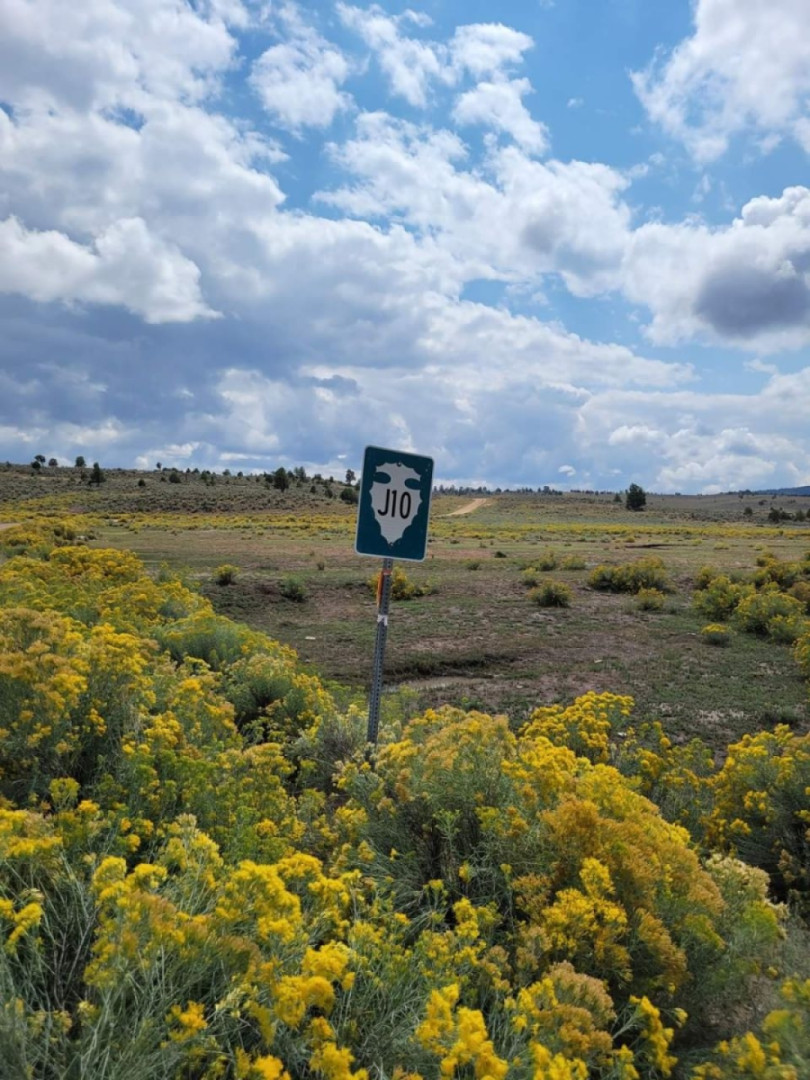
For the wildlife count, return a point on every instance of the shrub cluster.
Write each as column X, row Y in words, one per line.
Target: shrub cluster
column 203, row 875
column 646, row 573
column 292, row 587
column 572, row 562
column 403, row 587
column 551, row 594
column 225, row 574
column 774, row 603
column 650, row 600
column 546, row 561
column 715, row 634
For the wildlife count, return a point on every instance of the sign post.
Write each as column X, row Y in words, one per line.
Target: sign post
column 392, row 520
column 383, row 602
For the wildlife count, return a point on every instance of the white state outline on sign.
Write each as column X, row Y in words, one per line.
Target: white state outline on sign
column 393, row 527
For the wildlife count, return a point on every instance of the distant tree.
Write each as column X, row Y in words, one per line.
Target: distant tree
column 80, row 462
column 350, row 495
column 96, row 475
column 40, row 458
column 350, row 476
column 636, row 498
column 36, row 464
column 617, row 498
column 141, row 482
column 52, row 463
column 174, row 477
column 748, row 512
column 280, row 479
column 159, row 467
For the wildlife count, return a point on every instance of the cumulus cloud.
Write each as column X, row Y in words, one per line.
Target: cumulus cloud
column 499, row 105
column 125, row 266
column 519, row 219
column 103, row 53
column 299, row 80
column 691, row 441
column 487, row 49
column 748, row 283
column 409, row 64
column 745, row 66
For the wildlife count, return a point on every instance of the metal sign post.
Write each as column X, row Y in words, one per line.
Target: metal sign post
column 383, row 602
column 392, row 521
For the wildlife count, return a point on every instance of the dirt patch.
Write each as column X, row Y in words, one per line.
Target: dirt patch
column 468, row 508
column 8, row 525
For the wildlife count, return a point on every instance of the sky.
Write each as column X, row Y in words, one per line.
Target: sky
column 562, row 243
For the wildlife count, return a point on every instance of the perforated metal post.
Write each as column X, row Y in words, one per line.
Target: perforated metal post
column 383, row 602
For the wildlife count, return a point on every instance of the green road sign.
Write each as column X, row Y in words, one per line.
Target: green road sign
column 392, row 513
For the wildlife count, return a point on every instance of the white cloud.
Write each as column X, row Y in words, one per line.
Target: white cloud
column 102, row 53
column 487, row 48
column 499, row 105
column 410, row 64
column 746, row 65
column 194, row 176
column 298, row 80
column 635, row 434
column 125, row 266
column 689, row 441
column 518, row 220
column 760, row 366
column 748, row 283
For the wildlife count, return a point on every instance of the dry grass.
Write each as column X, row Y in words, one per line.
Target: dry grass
column 477, row 639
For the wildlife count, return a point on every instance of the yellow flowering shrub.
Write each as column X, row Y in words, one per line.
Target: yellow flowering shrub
column 458, row 1037
column 676, row 777
column 580, row 867
column 567, row 1013
column 647, row 573
column 801, row 650
column 203, row 875
column 761, row 809
column 585, row 727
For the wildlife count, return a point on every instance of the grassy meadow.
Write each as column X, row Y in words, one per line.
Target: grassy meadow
column 580, row 851
column 474, row 638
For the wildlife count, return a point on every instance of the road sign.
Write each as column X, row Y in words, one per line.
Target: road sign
column 394, row 504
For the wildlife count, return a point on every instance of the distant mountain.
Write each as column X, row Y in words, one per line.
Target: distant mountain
column 785, row 491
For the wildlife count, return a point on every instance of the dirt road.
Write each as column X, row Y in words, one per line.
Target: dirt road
column 468, row 507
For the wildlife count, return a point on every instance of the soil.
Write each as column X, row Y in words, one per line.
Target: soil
column 469, row 508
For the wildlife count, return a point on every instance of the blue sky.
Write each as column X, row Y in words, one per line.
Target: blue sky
column 545, row 243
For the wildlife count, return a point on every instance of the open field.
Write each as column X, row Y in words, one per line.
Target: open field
column 475, row 639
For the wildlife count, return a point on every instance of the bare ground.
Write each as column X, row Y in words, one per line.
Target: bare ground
column 468, row 508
